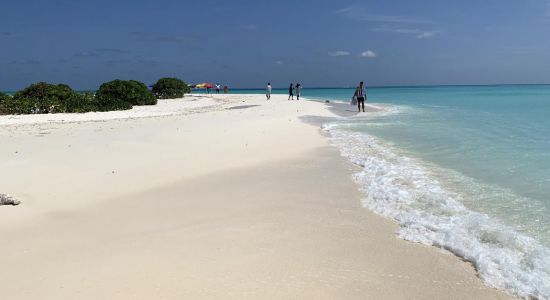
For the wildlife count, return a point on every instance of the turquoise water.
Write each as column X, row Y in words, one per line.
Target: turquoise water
column 462, row 168
column 497, row 135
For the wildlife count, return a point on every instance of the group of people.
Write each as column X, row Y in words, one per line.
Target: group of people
column 358, row 96
column 292, row 90
column 218, row 88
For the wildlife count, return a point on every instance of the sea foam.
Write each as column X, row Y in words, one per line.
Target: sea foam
column 406, row 190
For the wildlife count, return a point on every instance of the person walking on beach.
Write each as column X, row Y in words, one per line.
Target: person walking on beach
column 291, row 91
column 360, row 94
column 298, row 91
column 268, row 91
column 218, row 86
column 225, row 89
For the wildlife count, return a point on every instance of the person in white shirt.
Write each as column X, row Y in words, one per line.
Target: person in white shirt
column 268, row 91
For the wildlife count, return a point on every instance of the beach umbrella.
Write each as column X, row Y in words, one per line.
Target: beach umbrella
column 204, row 85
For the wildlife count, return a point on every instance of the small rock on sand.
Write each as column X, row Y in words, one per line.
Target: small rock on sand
column 8, row 200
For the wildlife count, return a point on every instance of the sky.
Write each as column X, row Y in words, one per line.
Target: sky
column 245, row 44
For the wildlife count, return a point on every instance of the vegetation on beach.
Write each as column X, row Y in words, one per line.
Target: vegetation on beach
column 3, row 97
column 123, row 94
column 45, row 98
column 40, row 98
column 170, row 88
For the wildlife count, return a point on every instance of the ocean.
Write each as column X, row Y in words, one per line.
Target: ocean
column 463, row 168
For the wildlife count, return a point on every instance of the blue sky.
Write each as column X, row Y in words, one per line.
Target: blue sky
column 248, row 43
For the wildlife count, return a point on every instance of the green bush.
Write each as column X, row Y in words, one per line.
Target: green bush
column 40, row 98
column 3, row 98
column 43, row 98
column 81, row 103
column 12, row 105
column 123, row 94
column 170, row 88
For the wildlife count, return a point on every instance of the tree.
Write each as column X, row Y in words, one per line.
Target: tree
column 170, row 88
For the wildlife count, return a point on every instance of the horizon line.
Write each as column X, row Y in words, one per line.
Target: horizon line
column 401, row 86
column 374, row 86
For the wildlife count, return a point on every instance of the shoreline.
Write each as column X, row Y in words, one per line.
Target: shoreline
column 257, row 218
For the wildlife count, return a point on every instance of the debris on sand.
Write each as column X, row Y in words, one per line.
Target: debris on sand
column 8, row 200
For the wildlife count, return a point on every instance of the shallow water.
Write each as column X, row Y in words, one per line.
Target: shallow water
column 462, row 168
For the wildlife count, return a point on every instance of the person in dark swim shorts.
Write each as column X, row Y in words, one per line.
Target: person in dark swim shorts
column 361, row 95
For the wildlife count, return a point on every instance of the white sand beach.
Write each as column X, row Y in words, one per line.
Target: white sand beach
column 222, row 197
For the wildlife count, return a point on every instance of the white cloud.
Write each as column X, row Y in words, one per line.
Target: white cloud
column 418, row 33
column 369, row 54
column 339, row 53
column 279, row 62
column 425, row 35
column 359, row 13
column 250, row 27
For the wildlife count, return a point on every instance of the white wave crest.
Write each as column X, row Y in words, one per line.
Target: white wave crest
column 402, row 188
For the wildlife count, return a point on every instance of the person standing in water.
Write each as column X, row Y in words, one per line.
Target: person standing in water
column 298, row 91
column 268, row 91
column 291, row 91
column 361, row 94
